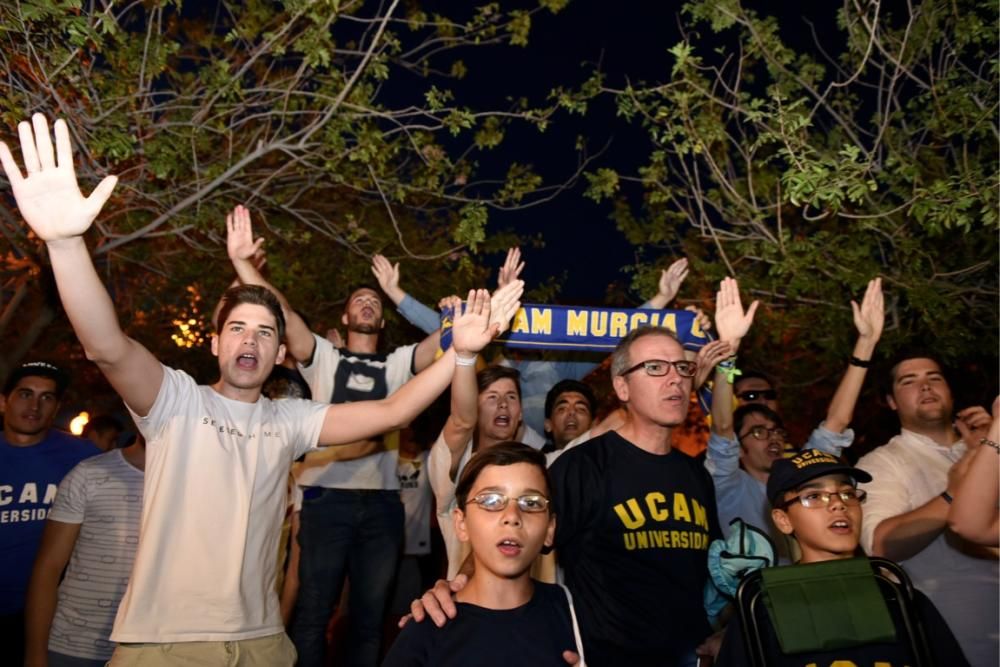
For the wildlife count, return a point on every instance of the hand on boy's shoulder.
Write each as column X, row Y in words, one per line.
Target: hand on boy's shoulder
column 571, row 658
column 438, row 602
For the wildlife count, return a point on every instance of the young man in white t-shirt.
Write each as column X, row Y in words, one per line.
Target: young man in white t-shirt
column 218, row 456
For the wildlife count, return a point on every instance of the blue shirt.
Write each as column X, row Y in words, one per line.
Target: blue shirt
column 739, row 495
column 29, row 479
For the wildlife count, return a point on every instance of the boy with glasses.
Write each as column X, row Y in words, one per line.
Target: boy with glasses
column 745, row 445
column 815, row 500
column 505, row 617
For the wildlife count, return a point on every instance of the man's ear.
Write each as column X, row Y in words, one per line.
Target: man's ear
column 343, row 318
column 621, row 388
column 282, row 351
column 458, row 520
column 548, row 426
column 215, row 345
column 892, row 402
column 782, row 521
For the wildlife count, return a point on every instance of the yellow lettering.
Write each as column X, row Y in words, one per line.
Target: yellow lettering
column 643, row 539
column 656, row 537
column 599, row 324
column 669, row 320
column 696, row 329
column 681, row 511
column 658, row 513
column 843, row 663
column 576, row 323
column 638, row 319
column 619, row 325
column 520, row 322
column 632, row 517
column 700, row 515
column 541, row 320
column 629, row 541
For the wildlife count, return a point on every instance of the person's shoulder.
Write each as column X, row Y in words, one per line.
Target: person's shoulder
column 886, row 453
column 551, row 595
column 595, row 451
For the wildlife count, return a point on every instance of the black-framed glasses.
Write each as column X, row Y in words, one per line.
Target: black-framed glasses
column 757, row 394
column 493, row 501
column 660, row 367
column 765, row 433
column 820, row 499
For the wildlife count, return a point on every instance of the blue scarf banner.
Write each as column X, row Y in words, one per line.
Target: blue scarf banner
column 541, row 327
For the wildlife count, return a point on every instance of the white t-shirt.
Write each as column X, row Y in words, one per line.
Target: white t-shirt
column 908, row 472
column 340, row 376
column 104, row 495
column 216, row 493
column 415, row 492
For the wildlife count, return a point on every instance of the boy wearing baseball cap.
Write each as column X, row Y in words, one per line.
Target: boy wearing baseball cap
column 815, row 500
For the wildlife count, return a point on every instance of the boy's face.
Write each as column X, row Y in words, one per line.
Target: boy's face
column 506, row 542
column 500, row 410
column 247, row 346
column 825, row 532
column 570, row 417
column 759, row 454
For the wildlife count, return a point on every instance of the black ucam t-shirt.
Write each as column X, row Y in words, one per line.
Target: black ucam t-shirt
column 533, row 634
column 632, row 536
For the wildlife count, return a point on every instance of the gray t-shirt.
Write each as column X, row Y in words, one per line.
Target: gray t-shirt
column 104, row 495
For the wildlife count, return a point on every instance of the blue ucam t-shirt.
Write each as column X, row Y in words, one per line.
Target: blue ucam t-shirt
column 29, row 478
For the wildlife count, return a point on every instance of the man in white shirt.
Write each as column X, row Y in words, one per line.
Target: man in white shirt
column 203, row 586
column 906, row 515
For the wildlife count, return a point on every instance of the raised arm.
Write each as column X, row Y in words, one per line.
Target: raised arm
column 482, row 320
column 464, row 415
column 670, row 283
column 974, row 514
column 732, row 323
column 242, row 248
column 869, row 318
column 53, row 206
column 387, row 275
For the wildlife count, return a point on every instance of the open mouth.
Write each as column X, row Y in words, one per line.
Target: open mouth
column 775, row 449
column 841, row 527
column 502, row 420
column 247, row 361
column 510, row 547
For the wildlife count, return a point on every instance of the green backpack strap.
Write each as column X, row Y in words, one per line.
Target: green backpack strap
column 826, row 606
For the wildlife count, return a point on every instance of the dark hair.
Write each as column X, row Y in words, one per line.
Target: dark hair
column 491, row 374
column 502, row 454
column 620, row 356
column 564, row 386
column 892, row 366
column 745, row 411
column 42, row 369
column 754, row 374
column 254, row 295
column 102, row 424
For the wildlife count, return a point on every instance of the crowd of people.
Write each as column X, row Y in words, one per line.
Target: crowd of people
column 247, row 517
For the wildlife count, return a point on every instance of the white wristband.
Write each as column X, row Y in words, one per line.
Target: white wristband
column 464, row 361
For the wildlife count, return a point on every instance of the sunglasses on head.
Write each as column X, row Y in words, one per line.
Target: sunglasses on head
column 756, row 394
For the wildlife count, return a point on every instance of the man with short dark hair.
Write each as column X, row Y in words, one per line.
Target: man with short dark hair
column 755, row 387
column 570, row 407
column 202, row 590
column 103, row 431
column 34, row 458
column 906, row 518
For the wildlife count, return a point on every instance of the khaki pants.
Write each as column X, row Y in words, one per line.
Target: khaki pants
column 272, row 651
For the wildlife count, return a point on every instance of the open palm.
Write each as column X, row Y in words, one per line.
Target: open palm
column 731, row 321
column 471, row 330
column 49, row 198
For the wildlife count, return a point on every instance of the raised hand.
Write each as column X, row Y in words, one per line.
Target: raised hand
column 709, row 356
column 387, row 275
column 239, row 236
column 869, row 317
column 471, row 329
column 511, row 268
column 671, row 279
column 504, row 305
column 704, row 321
column 49, row 198
column 730, row 320
column 974, row 424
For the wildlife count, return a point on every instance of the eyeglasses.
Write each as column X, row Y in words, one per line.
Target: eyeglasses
column 753, row 395
column 660, row 367
column 497, row 502
column 819, row 499
column 765, row 433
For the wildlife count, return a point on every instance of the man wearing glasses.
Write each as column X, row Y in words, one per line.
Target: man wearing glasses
column 636, row 516
column 745, row 445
